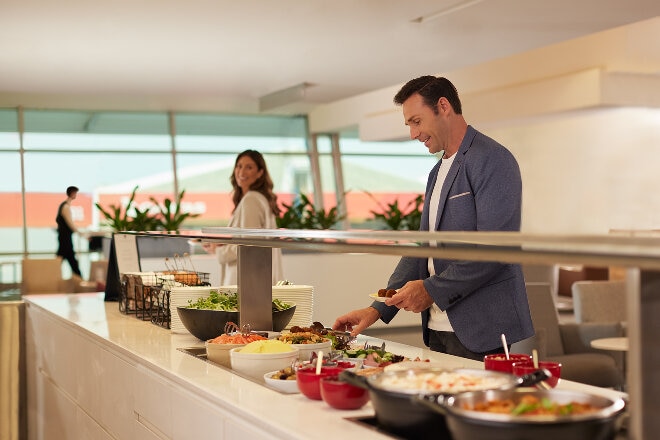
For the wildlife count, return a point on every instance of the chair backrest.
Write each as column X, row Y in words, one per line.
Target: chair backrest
column 41, row 275
column 599, row 301
column 545, row 319
column 541, row 273
column 98, row 270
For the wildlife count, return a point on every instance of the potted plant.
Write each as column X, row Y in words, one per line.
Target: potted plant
column 171, row 217
column 302, row 214
column 168, row 217
column 117, row 217
column 399, row 219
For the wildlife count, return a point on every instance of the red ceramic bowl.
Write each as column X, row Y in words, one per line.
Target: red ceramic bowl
column 309, row 381
column 499, row 362
column 343, row 395
column 527, row 367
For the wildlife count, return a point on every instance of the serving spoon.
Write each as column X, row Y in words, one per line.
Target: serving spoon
column 506, row 347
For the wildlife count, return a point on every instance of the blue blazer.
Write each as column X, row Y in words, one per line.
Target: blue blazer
column 482, row 192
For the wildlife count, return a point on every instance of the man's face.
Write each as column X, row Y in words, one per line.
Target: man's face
column 425, row 125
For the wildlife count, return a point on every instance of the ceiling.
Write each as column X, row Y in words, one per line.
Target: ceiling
column 266, row 56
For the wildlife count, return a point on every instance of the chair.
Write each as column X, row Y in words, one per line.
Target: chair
column 97, row 274
column 541, row 273
column 570, row 343
column 599, row 301
column 567, row 275
column 98, row 270
column 43, row 275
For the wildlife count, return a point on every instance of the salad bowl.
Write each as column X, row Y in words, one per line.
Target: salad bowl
column 206, row 318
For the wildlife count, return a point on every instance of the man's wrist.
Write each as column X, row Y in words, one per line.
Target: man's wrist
column 375, row 312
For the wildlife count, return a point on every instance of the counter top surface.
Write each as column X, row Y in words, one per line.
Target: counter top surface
column 283, row 415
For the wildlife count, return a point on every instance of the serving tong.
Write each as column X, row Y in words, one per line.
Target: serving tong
column 368, row 346
column 244, row 330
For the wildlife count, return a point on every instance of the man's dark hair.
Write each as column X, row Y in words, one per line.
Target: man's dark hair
column 431, row 89
column 70, row 190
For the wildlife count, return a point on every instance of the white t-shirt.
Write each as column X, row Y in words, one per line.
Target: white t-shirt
column 438, row 319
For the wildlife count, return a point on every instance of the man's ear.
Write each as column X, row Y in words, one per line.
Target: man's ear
column 443, row 105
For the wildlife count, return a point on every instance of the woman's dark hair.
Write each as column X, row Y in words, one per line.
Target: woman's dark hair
column 431, row 89
column 263, row 184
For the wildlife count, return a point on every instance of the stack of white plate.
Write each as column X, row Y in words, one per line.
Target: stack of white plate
column 303, row 297
column 180, row 297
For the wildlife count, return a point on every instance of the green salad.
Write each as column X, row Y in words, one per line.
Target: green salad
column 228, row 302
column 378, row 356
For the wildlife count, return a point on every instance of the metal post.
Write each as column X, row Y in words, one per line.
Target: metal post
column 175, row 177
column 643, row 363
column 255, row 286
column 21, row 147
column 316, row 170
column 339, row 181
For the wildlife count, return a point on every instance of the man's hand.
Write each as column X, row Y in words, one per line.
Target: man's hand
column 357, row 320
column 412, row 297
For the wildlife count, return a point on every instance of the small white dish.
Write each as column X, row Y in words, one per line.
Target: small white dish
column 287, row 386
column 375, row 297
column 305, row 350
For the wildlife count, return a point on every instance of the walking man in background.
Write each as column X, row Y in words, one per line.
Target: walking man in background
column 65, row 230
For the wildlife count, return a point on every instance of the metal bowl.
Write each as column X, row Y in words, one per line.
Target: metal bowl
column 464, row 423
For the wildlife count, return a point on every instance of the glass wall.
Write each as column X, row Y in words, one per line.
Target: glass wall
column 207, row 146
column 109, row 154
column 377, row 174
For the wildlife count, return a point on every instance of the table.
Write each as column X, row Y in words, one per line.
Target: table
column 611, row 344
column 614, row 344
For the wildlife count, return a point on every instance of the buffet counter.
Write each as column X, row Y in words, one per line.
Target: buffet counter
column 93, row 372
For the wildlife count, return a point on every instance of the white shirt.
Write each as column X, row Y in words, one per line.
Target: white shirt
column 438, row 319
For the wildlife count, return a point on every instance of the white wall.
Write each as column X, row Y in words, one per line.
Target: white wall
column 343, row 282
column 582, row 117
column 588, row 172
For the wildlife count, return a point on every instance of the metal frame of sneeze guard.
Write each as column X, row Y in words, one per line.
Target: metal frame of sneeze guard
column 638, row 253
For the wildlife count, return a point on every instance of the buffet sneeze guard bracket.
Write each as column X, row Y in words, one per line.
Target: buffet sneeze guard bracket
column 255, row 290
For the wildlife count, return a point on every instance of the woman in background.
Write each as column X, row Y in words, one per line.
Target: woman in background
column 255, row 207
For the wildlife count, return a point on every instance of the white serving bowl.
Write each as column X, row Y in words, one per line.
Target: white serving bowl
column 288, row 386
column 305, row 350
column 257, row 364
column 219, row 353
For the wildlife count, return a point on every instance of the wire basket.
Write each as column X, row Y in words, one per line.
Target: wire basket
column 137, row 293
column 185, row 278
column 161, row 313
column 147, row 295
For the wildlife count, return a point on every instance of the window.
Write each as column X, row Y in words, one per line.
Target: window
column 378, row 173
column 108, row 154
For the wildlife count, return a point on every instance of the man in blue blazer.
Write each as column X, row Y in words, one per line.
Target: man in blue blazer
column 476, row 186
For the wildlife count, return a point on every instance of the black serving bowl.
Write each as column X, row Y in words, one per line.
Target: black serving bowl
column 207, row 324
